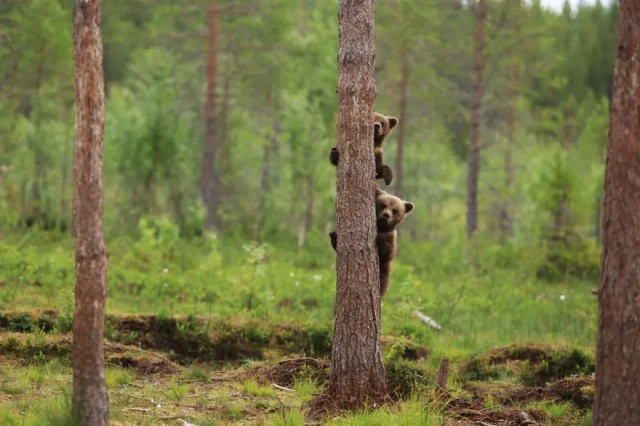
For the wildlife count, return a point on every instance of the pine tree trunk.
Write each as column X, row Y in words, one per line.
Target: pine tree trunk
column 209, row 186
column 90, row 401
column 357, row 371
column 617, row 399
column 404, row 84
column 473, row 161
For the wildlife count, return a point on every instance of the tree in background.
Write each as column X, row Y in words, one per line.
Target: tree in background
column 357, row 371
column 90, row 400
column 473, row 161
column 617, row 390
column 210, row 184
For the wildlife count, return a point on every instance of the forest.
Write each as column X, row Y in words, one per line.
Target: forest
column 219, row 197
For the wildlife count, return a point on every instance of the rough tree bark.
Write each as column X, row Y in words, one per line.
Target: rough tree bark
column 209, row 185
column 404, row 84
column 357, row 371
column 90, row 401
column 618, row 354
column 473, row 161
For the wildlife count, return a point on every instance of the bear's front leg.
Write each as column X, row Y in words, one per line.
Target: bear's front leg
column 382, row 170
column 385, row 173
column 334, row 156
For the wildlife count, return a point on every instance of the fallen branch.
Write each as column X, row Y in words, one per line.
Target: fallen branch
column 425, row 319
column 282, row 388
column 138, row 410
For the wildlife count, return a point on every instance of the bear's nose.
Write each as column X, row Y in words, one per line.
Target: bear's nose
column 385, row 215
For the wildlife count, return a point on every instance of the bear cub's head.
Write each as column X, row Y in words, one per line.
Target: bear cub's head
column 390, row 211
column 382, row 126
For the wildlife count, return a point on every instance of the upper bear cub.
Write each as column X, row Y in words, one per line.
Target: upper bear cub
column 390, row 212
column 382, row 126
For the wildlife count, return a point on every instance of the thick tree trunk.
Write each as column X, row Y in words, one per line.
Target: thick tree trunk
column 473, row 161
column 209, row 186
column 357, row 371
column 617, row 399
column 90, row 401
column 404, row 84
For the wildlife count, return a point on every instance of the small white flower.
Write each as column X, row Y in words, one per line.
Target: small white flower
column 166, row 285
column 291, row 274
column 165, row 270
column 317, row 277
column 562, row 297
column 297, row 283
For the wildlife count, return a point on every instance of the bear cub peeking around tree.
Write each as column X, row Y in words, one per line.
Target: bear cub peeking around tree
column 390, row 212
column 382, row 126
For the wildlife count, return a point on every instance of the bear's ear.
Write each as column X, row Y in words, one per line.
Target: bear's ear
column 408, row 207
column 392, row 122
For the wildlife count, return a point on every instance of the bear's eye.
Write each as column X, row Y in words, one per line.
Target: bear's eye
column 383, row 206
column 395, row 211
column 382, row 124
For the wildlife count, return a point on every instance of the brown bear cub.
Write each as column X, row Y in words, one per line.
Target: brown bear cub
column 382, row 126
column 390, row 212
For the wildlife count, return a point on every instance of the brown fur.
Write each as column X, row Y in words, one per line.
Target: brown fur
column 390, row 212
column 382, row 127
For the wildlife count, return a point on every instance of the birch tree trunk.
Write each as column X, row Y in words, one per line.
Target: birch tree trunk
column 617, row 399
column 90, row 401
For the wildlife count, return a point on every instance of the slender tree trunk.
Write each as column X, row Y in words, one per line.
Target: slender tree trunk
column 262, row 187
column 224, row 133
column 90, row 401
column 473, row 161
column 63, row 190
column 617, row 399
column 505, row 219
column 307, row 222
column 597, row 226
column 357, row 371
column 404, row 84
column 210, row 185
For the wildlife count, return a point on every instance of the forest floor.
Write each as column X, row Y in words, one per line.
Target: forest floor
column 158, row 372
column 220, row 332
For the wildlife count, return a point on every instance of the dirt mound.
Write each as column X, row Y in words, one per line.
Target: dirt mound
column 26, row 347
column 533, row 365
column 145, row 366
column 285, row 372
column 476, row 413
column 195, row 339
column 577, row 390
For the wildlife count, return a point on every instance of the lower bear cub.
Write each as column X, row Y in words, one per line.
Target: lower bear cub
column 390, row 212
column 382, row 126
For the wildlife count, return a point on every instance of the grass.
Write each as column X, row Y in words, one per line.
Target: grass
column 237, row 309
column 478, row 312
